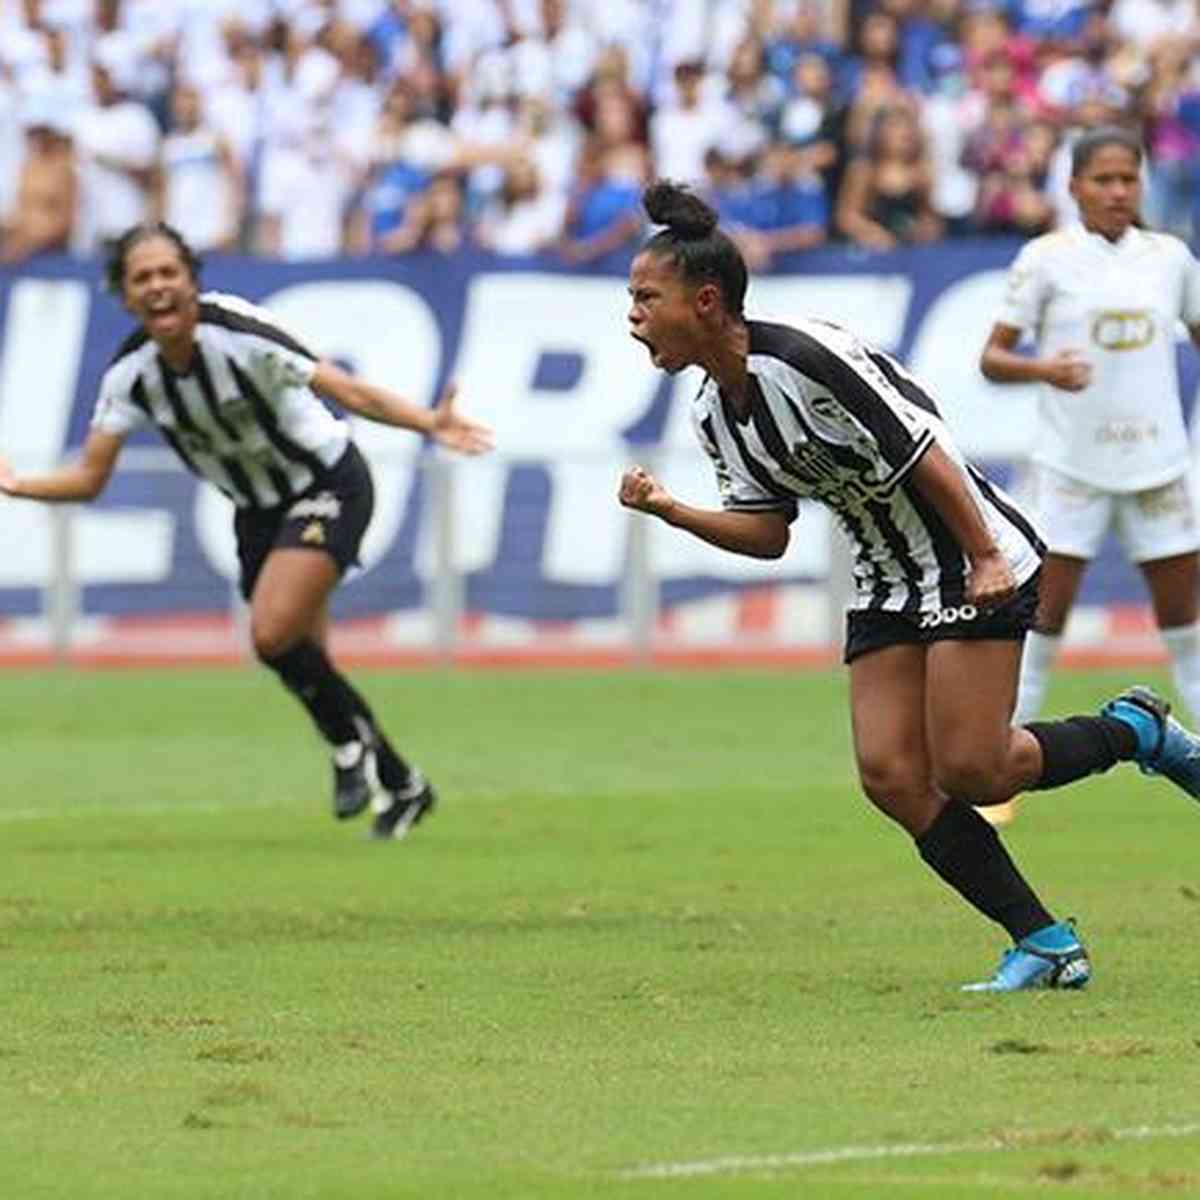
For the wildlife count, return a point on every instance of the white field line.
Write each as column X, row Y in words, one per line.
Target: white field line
column 737, row 1164
column 133, row 810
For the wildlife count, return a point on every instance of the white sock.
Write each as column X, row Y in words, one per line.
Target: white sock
column 1183, row 647
column 1041, row 649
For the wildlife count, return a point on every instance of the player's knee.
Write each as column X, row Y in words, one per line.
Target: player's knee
column 971, row 778
column 272, row 636
column 888, row 782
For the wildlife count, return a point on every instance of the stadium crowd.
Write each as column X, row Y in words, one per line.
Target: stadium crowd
column 313, row 128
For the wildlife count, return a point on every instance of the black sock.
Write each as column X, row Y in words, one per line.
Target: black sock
column 967, row 853
column 1079, row 746
column 312, row 679
column 333, row 703
column 394, row 772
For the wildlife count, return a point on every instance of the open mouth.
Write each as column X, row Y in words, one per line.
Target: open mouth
column 637, row 337
column 161, row 310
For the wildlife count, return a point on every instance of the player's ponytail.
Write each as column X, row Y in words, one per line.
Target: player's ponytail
column 690, row 238
column 681, row 211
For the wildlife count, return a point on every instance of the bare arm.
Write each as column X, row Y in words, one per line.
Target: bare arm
column 84, row 479
column 940, row 481
column 851, row 210
column 443, row 423
column 758, row 535
column 1000, row 362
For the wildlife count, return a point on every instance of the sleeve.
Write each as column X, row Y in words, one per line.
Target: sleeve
column 276, row 358
column 279, row 368
column 738, row 489
column 1024, row 291
column 115, row 411
column 867, row 403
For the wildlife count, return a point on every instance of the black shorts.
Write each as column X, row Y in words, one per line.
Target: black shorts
column 870, row 629
column 332, row 515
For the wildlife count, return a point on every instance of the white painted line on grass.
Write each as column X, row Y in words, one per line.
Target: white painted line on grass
column 134, row 810
column 738, row 1163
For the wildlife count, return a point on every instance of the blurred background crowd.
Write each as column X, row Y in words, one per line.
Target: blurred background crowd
column 301, row 129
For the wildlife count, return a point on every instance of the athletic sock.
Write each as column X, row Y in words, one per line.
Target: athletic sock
column 394, row 772
column 1080, row 746
column 1037, row 657
column 337, row 708
column 331, row 702
column 968, row 855
column 1183, row 649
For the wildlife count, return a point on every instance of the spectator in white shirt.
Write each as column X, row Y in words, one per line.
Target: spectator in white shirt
column 116, row 142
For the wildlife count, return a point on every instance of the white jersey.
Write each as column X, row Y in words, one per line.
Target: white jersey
column 1117, row 304
column 834, row 420
column 242, row 416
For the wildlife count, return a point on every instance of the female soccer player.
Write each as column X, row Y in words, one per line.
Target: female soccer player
column 236, row 398
column 946, row 570
column 1101, row 300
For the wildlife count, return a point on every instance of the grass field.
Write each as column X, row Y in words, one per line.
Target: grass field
column 653, row 944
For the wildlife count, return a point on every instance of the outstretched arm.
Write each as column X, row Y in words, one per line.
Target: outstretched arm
column 938, row 478
column 81, row 480
column 443, row 422
column 756, row 534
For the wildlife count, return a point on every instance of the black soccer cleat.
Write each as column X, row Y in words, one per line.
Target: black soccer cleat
column 355, row 779
column 408, row 807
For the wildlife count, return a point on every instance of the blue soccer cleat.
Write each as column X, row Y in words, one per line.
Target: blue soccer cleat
column 1052, row 957
column 1164, row 747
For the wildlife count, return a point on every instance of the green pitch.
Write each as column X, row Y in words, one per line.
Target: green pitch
column 653, row 944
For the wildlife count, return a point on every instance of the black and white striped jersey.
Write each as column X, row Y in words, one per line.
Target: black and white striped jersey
column 242, row 416
column 834, row 420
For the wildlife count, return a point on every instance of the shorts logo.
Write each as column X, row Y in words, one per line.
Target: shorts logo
column 314, row 534
column 949, row 616
column 323, row 504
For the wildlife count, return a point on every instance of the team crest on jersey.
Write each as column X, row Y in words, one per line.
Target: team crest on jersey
column 314, row 534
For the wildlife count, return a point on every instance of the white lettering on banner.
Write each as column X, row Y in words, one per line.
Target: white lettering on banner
column 873, row 306
column 510, row 322
column 39, row 369
column 988, row 419
column 388, row 333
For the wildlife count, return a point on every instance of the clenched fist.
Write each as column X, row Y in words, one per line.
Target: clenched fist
column 639, row 489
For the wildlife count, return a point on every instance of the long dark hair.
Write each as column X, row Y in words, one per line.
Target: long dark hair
column 691, row 240
column 114, row 270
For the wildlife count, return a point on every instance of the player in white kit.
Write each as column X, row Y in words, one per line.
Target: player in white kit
column 1101, row 301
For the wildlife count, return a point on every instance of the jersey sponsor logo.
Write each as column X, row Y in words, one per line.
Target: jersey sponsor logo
column 949, row 616
column 194, row 441
column 238, row 412
column 1129, row 330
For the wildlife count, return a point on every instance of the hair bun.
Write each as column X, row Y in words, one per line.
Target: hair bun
column 684, row 214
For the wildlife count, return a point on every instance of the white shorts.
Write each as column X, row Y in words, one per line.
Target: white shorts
column 1073, row 516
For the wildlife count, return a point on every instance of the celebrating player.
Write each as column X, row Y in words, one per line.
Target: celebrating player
column 236, row 398
column 946, row 569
